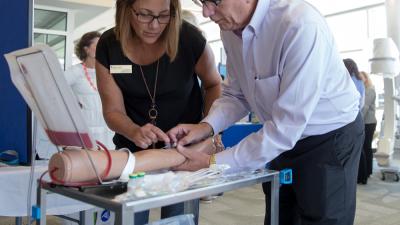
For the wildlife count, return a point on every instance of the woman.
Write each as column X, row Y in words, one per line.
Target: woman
column 368, row 112
column 146, row 70
column 82, row 79
column 355, row 76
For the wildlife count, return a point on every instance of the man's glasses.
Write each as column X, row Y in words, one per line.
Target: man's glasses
column 207, row 2
column 148, row 18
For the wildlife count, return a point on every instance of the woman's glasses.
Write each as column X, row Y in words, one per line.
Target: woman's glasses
column 148, row 18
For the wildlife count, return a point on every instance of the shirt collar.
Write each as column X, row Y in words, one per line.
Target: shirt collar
column 259, row 16
column 238, row 33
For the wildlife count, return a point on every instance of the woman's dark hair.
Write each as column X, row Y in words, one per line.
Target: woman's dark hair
column 352, row 68
column 85, row 41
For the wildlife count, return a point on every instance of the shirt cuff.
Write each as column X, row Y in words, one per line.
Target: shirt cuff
column 226, row 157
column 213, row 123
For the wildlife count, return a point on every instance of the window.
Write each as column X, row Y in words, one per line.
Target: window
column 51, row 28
column 50, row 20
column 350, row 30
column 377, row 22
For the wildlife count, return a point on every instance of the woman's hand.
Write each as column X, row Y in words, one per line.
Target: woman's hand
column 148, row 134
column 185, row 134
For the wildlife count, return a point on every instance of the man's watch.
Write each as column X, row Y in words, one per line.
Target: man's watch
column 212, row 160
column 217, row 141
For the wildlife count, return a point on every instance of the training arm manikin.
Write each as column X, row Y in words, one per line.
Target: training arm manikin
column 73, row 167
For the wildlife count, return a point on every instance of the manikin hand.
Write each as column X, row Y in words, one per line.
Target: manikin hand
column 148, row 134
column 185, row 134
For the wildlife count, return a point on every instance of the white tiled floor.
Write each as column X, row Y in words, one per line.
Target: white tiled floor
column 378, row 203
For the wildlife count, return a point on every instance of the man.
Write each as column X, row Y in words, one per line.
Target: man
column 284, row 66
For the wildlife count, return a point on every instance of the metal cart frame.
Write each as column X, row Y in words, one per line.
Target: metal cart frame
column 124, row 209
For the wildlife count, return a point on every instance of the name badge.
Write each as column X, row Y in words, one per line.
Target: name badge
column 120, row 69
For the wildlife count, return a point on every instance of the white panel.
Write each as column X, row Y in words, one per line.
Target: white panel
column 393, row 20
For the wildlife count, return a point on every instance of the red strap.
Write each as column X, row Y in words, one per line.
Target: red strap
column 109, row 159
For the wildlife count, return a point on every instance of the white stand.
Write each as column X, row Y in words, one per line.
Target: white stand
column 386, row 143
column 392, row 172
column 385, row 62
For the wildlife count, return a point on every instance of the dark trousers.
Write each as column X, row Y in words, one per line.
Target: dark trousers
column 142, row 218
column 362, row 176
column 324, row 184
column 369, row 135
column 365, row 167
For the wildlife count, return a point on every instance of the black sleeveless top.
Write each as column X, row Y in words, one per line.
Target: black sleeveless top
column 178, row 95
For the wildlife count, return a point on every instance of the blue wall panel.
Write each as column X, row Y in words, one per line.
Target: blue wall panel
column 15, row 129
column 237, row 132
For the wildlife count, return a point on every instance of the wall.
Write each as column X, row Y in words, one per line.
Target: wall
column 15, row 17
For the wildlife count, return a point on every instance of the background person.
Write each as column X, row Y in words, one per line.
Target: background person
column 368, row 112
column 82, row 79
column 294, row 80
column 352, row 67
column 148, row 67
column 358, row 82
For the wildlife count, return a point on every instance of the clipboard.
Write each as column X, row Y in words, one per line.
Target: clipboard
column 38, row 76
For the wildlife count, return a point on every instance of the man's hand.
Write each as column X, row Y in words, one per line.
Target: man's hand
column 184, row 134
column 207, row 146
column 148, row 134
column 194, row 160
